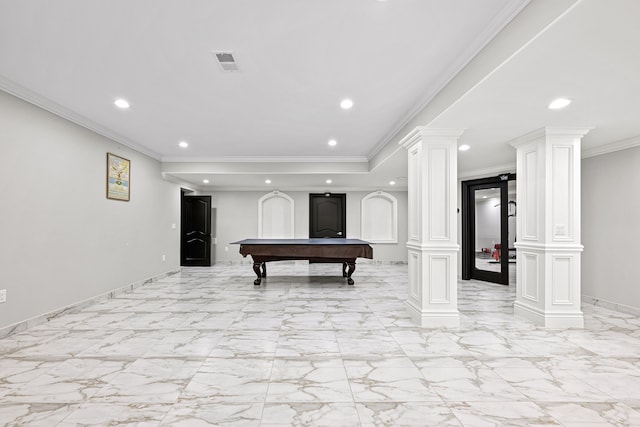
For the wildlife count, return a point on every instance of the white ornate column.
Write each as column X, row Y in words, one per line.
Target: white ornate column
column 548, row 227
column 433, row 241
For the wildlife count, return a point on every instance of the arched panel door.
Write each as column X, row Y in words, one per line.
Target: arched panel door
column 195, row 240
column 327, row 215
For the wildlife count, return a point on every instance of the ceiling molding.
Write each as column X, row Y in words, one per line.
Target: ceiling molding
column 211, row 189
column 377, row 162
column 248, row 159
column 549, row 131
column 611, row 147
column 67, row 114
column 591, row 152
column 411, row 138
column 497, row 67
column 487, row 172
column 182, row 183
column 280, row 168
column 499, row 22
column 420, row 133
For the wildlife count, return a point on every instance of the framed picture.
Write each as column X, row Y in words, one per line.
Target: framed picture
column 118, row 181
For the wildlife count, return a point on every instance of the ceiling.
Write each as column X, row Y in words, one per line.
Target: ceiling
column 488, row 67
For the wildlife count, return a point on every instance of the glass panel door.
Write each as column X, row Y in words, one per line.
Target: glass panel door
column 485, row 231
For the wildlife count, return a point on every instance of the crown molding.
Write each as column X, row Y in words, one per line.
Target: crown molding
column 211, row 189
column 266, row 159
column 53, row 107
column 491, row 171
column 499, row 22
column 421, row 132
column 611, row 147
column 549, row 131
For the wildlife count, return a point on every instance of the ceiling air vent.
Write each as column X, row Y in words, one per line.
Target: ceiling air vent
column 227, row 61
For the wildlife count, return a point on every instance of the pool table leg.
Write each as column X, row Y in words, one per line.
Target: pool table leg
column 256, row 269
column 352, row 268
column 344, row 269
column 264, row 269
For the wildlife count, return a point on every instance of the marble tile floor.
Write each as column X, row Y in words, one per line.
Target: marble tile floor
column 205, row 347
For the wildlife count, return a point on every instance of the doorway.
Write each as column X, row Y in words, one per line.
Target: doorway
column 488, row 228
column 327, row 215
column 195, row 231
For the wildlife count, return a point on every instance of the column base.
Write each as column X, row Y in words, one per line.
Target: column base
column 555, row 320
column 433, row 319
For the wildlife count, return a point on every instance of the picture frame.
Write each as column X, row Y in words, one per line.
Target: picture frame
column 118, row 178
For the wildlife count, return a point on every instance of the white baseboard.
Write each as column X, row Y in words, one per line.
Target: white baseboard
column 599, row 302
column 44, row 318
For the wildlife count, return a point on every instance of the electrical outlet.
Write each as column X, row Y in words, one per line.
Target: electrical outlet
column 164, row 257
column 3, row 295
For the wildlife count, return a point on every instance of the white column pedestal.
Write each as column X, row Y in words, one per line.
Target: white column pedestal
column 433, row 298
column 548, row 289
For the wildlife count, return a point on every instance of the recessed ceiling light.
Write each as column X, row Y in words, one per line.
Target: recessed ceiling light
column 328, row 181
column 183, row 144
column 267, row 181
column 332, row 143
column 556, row 104
column 484, row 197
column 392, row 183
column 121, row 103
column 346, row 104
column 206, row 181
column 463, row 147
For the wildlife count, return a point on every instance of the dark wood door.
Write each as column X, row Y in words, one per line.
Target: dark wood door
column 327, row 215
column 195, row 241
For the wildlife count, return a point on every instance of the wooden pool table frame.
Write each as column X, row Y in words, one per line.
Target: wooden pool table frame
column 343, row 251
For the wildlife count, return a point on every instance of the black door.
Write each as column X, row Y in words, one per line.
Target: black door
column 485, row 229
column 327, row 215
column 195, row 241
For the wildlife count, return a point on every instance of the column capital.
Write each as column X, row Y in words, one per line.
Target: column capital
column 421, row 133
column 550, row 131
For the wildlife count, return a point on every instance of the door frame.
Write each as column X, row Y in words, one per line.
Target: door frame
column 469, row 228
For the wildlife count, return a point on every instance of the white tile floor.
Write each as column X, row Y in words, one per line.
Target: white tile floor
column 206, row 347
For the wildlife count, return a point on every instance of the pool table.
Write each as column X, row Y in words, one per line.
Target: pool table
column 343, row 251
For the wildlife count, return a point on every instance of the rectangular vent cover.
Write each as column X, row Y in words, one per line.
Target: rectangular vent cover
column 226, row 61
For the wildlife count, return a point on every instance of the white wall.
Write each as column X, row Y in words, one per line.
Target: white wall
column 237, row 219
column 61, row 240
column 611, row 227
